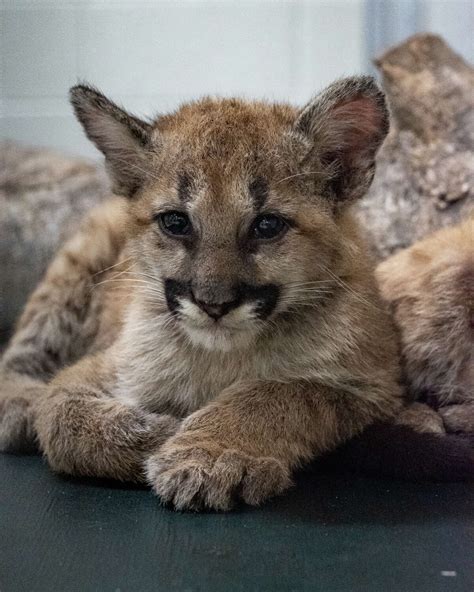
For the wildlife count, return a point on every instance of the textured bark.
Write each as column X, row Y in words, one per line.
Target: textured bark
column 425, row 170
column 43, row 197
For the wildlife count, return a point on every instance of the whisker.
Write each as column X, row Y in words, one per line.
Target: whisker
column 119, row 279
column 349, row 289
column 307, row 292
column 134, row 166
column 309, row 289
column 121, row 262
column 120, row 273
column 309, row 283
column 156, row 302
column 132, row 281
column 301, row 175
column 145, row 275
column 299, row 301
column 304, row 304
column 169, row 321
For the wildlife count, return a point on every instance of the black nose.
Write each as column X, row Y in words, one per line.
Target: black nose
column 217, row 310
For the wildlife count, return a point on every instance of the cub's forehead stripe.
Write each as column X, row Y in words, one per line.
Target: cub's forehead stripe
column 184, row 187
column 258, row 190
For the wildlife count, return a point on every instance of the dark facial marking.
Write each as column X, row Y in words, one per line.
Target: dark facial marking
column 258, row 189
column 266, row 297
column 173, row 290
column 184, row 187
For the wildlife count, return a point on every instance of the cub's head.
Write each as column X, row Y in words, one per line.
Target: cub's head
column 237, row 208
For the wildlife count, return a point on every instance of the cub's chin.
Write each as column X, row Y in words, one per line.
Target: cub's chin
column 219, row 338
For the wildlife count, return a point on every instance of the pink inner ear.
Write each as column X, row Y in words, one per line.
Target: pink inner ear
column 357, row 123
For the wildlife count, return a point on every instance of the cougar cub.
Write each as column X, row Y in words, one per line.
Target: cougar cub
column 431, row 289
column 217, row 326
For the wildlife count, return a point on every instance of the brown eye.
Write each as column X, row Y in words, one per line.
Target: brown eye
column 267, row 226
column 175, row 223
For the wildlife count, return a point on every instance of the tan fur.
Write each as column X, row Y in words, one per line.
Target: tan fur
column 431, row 289
column 248, row 399
column 422, row 418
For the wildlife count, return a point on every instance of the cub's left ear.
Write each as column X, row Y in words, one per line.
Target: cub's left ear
column 345, row 126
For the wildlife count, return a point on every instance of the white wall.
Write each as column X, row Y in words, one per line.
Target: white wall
column 389, row 22
column 454, row 20
column 151, row 56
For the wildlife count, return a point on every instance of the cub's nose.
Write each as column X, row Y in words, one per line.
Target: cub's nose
column 217, row 310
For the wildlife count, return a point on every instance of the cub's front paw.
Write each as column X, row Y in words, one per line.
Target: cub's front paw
column 18, row 397
column 458, row 418
column 16, row 425
column 200, row 477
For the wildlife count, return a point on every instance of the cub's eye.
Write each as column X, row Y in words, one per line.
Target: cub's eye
column 267, row 226
column 175, row 223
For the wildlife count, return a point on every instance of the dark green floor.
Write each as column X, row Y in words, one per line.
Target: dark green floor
column 332, row 533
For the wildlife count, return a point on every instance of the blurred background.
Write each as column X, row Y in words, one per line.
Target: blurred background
column 152, row 55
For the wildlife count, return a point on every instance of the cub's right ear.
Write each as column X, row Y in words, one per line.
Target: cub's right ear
column 346, row 125
column 120, row 136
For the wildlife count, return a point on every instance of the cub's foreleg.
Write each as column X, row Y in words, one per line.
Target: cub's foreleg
column 83, row 430
column 247, row 443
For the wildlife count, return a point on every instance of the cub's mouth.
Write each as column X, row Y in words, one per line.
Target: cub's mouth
column 217, row 318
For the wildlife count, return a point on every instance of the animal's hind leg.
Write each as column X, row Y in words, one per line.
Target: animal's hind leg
column 59, row 324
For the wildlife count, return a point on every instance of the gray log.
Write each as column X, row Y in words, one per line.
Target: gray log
column 425, row 169
column 43, row 197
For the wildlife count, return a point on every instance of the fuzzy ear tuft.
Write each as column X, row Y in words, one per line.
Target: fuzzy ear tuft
column 346, row 124
column 120, row 136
